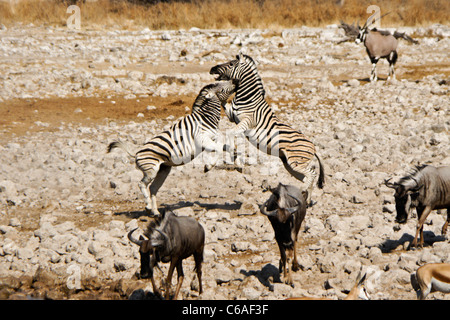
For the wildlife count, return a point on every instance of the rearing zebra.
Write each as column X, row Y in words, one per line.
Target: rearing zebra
column 254, row 117
column 184, row 141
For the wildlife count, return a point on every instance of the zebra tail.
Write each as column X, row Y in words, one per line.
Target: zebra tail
column 121, row 145
column 321, row 180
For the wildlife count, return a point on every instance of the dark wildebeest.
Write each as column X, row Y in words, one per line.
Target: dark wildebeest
column 427, row 188
column 174, row 239
column 286, row 209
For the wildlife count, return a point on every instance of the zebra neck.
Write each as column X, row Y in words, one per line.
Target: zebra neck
column 250, row 84
column 249, row 92
column 212, row 117
column 248, row 98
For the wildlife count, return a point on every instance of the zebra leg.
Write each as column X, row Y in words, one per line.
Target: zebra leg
column 212, row 148
column 230, row 113
column 161, row 176
column 238, row 131
column 304, row 174
column 144, row 184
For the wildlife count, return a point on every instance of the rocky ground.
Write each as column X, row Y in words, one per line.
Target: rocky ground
column 67, row 205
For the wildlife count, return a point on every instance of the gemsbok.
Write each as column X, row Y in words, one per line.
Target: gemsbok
column 381, row 44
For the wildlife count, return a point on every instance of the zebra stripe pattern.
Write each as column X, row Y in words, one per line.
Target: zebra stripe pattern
column 184, row 141
column 254, row 117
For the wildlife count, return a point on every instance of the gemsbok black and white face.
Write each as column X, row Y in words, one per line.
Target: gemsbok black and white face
column 361, row 36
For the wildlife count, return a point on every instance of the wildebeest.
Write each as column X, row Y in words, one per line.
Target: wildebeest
column 286, row 210
column 171, row 240
column 381, row 44
column 427, row 188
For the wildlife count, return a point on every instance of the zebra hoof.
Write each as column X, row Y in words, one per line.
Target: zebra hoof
column 311, row 203
column 151, row 213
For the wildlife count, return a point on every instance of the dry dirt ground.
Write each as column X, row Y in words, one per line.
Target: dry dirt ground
column 78, row 91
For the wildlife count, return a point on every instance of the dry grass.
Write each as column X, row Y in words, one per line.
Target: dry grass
column 224, row 13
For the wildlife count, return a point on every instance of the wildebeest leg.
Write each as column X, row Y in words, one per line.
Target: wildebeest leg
column 444, row 227
column 155, row 288
column 295, row 265
column 156, row 184
column 282, row 265
column 198, row 258
column 172, row 266
column 180, row 278
column 154, row 264
column 288, row 280
column 422, row 214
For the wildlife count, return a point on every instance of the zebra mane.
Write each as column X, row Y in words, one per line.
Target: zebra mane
column 247, row 57
column 200, row 99
column 414, row 175
column 252, row 64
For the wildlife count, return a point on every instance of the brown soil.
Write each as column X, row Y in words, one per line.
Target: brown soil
column 19, row 116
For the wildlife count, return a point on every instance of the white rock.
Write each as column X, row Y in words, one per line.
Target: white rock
column 166, row 36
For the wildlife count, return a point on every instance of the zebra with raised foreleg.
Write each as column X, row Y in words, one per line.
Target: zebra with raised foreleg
column 254, row 117
column 184, row 141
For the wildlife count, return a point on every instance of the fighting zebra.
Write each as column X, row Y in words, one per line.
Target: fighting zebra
column 254, row 118
column 184, row 141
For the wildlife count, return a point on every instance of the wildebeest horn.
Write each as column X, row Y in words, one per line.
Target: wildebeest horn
column 132, row 239
column 292, row 209
column 272, row 213
column 389, row 184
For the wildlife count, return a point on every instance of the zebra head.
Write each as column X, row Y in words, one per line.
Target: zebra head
column 215, row 94
column 225, row 89
column 244, row 69
column 234, row 69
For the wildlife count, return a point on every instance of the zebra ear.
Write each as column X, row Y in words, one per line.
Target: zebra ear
column 240, row 56
column 210, row 95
